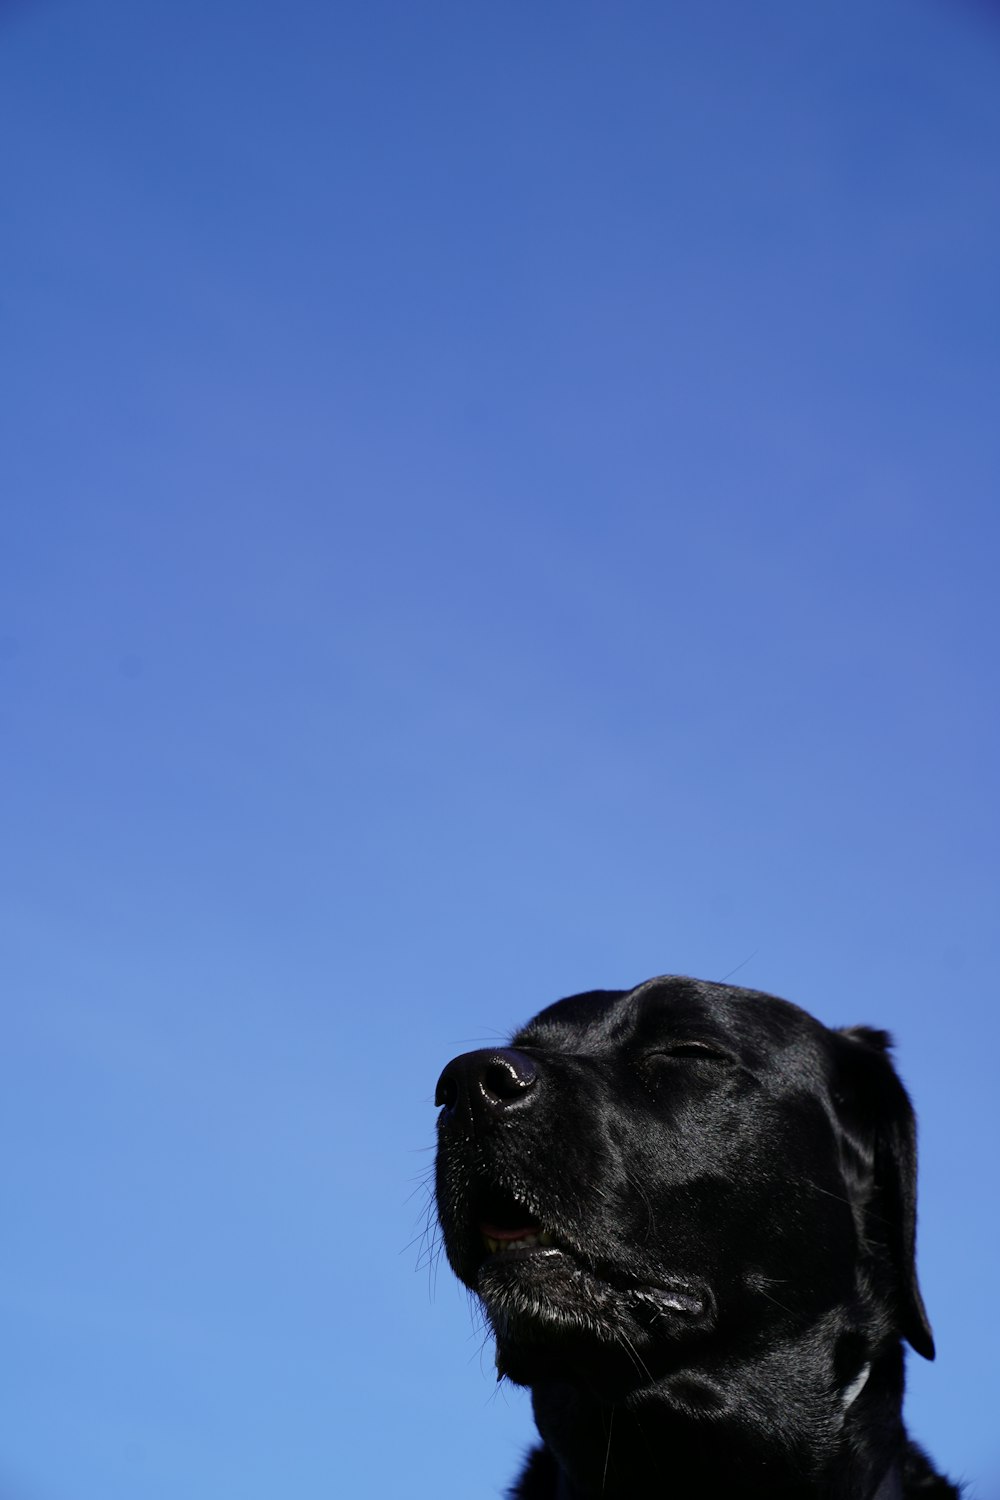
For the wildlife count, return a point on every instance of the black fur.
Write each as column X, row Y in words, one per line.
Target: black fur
column 725, row 1191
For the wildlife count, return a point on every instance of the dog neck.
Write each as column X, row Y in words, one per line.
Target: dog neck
column 645, row 1446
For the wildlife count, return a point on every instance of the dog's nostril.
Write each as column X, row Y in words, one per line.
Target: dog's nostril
column 446, row 1092
column 507, row 1076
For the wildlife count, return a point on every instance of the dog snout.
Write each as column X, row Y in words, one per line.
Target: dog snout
column 482, row 1086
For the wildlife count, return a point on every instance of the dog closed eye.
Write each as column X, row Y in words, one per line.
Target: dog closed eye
column 699, row 1051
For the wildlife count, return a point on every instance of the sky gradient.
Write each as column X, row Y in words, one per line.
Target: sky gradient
column 497, row 500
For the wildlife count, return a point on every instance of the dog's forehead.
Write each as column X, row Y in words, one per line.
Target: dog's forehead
column 673, row 1002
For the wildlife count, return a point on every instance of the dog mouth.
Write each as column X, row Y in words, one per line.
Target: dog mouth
column 517, row 1248
column 508, row 1241
column 507, row 1227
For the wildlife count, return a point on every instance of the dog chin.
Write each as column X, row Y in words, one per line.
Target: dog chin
column 552, row 1317
column 547, row 1292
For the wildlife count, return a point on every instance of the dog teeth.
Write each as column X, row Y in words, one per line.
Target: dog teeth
column 529, row 1242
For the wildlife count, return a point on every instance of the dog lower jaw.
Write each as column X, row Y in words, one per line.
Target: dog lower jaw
column 551, row 1315
column 545, row 1281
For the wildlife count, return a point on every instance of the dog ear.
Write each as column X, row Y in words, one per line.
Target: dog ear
column 882, row 1166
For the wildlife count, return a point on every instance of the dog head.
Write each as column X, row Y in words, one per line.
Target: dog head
column 677, row 1182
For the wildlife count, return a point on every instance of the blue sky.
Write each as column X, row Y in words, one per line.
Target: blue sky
column 497, row 500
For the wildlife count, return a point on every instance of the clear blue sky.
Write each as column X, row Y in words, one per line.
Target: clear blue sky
column 498, row 499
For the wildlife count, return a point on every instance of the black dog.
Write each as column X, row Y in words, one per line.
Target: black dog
column 689, row 1212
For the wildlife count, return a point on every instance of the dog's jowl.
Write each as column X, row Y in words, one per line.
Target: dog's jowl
column 689, row 1212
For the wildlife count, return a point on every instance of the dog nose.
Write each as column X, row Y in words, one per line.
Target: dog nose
column 484, row 1085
